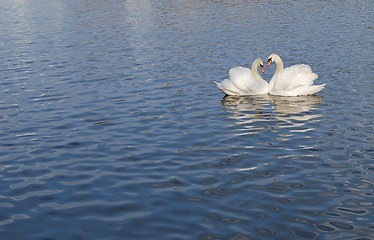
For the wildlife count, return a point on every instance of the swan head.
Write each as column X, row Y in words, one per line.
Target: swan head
column 260, row 63
column 272, row 57
column 262, row 68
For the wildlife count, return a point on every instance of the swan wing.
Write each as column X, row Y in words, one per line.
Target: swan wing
column 295, row 80
column 295, row 76
column 243, row 79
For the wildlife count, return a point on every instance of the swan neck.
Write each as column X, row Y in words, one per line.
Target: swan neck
column 255, row 73
column 279, row 63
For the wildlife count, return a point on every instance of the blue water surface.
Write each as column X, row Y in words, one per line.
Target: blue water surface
column 111, row 126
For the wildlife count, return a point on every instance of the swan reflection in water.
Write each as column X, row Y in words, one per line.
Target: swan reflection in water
column 270, row 113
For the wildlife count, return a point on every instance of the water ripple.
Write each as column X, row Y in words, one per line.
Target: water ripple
column 112, row 127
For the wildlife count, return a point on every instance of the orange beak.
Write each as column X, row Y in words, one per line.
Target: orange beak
column 269, row 62
column 262, row 69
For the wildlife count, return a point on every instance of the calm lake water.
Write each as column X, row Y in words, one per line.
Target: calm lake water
column 111, row 126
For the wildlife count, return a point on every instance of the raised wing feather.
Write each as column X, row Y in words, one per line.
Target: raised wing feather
column 295, row 80
column 243, row 79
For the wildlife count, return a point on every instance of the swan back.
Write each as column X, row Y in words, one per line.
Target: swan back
column 245, row 81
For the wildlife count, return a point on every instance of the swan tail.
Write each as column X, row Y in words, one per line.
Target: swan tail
column 310, row 90
column 218, row 84
column 228, row 87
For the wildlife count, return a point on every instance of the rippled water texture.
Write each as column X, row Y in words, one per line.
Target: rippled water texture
column 111, row 126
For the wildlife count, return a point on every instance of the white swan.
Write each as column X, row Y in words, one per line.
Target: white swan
column 292, row 81
column 244, row 81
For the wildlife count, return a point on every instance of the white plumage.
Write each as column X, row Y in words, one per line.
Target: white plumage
column 292, row 81
column 244, row 81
